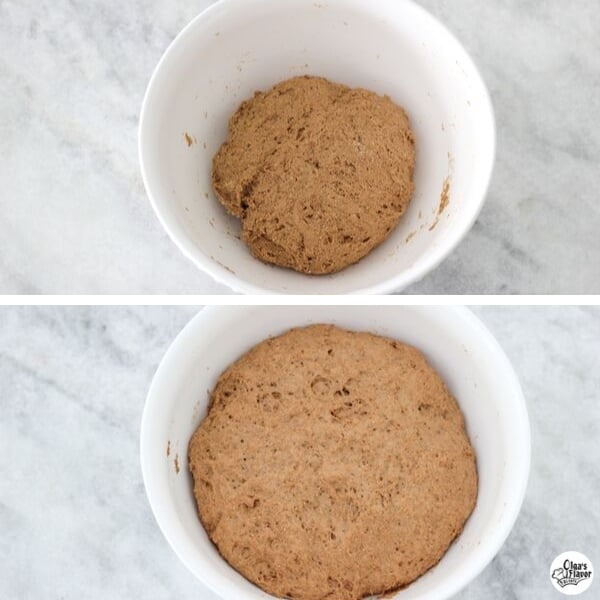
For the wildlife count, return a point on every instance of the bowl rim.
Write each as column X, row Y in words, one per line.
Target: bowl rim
column 521, row 438
column 396, row 283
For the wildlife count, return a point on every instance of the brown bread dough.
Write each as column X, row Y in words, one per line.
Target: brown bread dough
column 333, row 465
column 319, row 173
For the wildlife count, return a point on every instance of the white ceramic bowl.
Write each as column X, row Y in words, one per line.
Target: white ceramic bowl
column 393, row 47
column 456, row 344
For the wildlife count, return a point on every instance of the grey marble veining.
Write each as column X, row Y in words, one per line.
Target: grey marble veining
column 75, row 215
column 538, row 231
column 74, row 519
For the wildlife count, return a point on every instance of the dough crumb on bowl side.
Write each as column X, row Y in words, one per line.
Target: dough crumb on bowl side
column 319, row 173
column 332, row 464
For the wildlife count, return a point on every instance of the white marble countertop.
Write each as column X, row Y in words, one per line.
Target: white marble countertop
column 74, row 517
column 74, row 211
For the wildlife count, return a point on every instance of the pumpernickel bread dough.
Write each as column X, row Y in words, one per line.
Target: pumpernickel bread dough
column 318, row 173
column 332, row 464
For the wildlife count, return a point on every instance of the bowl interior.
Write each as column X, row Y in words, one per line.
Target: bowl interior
column 455, row 343
column 392, row 47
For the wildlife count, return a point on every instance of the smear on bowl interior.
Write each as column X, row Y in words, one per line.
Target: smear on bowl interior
column 332, row 464
column 318, row 173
